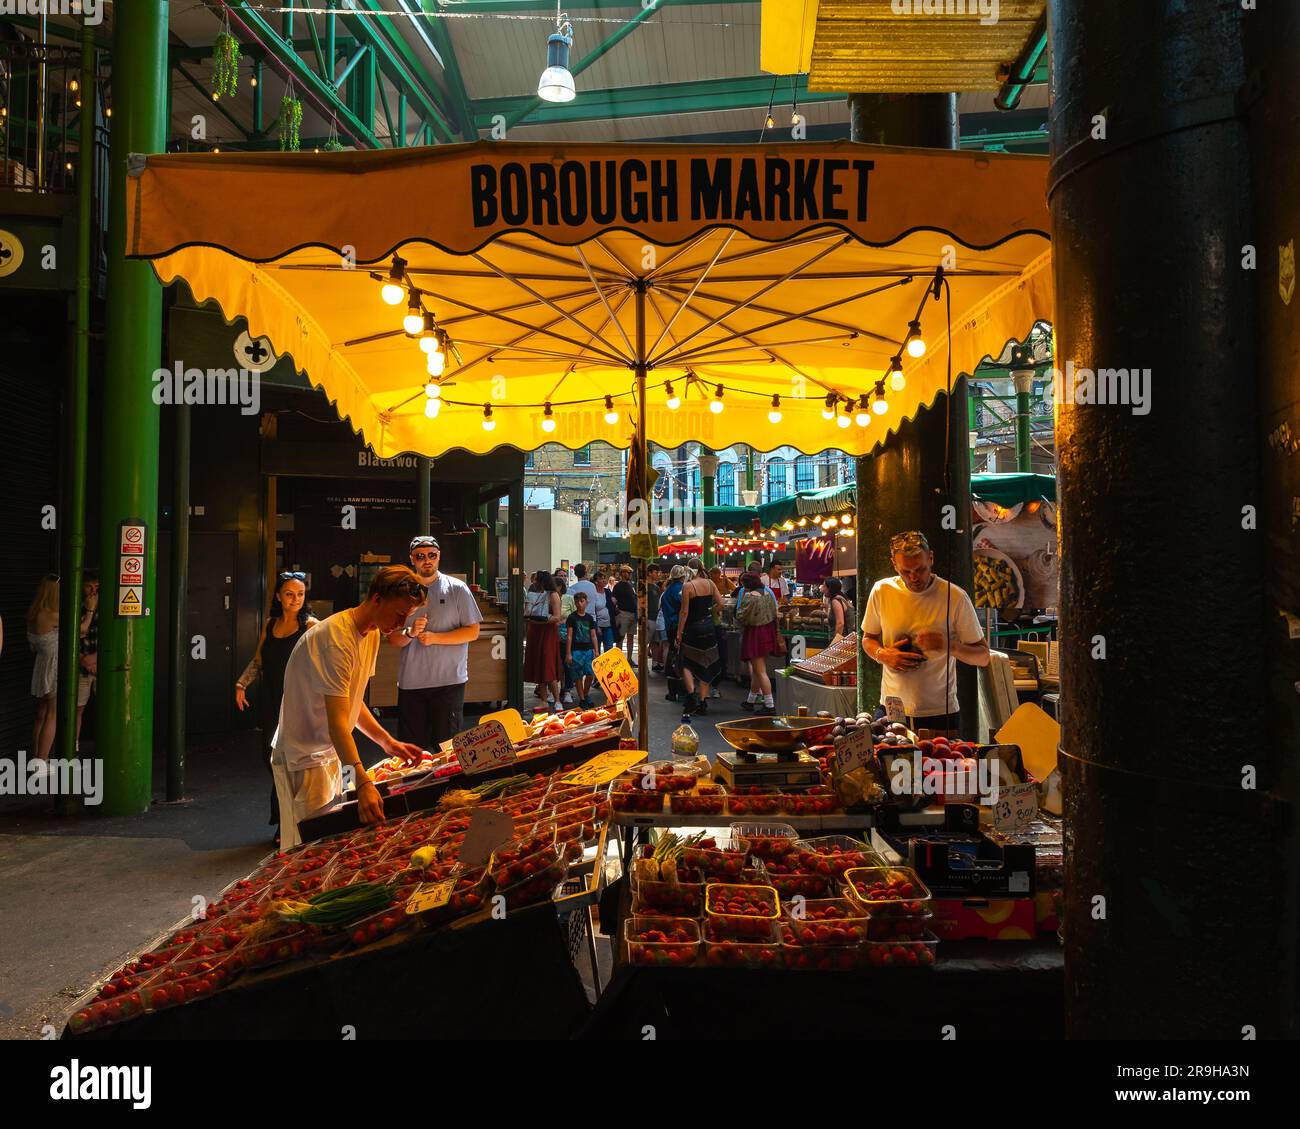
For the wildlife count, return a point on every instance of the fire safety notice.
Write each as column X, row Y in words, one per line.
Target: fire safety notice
column 130, row 569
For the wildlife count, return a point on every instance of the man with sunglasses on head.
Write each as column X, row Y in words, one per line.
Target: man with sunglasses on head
column 435, row 652
column 324, row 687
column 917, row 626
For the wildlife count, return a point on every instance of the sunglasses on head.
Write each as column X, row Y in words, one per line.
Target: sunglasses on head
column 293, row 576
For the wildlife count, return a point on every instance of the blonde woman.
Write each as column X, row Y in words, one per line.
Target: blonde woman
column 43, row 638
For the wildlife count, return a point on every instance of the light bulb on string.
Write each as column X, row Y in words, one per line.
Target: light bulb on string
column 548, row 420
column 392, row 292
column 489, row 424
column 413, row 322
column 432, row 407
column 611, row 416
column 673, row 402
column 828, row 409
column 896, row 379
column 774, row 416
column 433, row 390
column 880, row 407
column 843, row 420
column 716, row 405
column 915, row 342
column 437, row 362
column 863, row 415
column 429, row 334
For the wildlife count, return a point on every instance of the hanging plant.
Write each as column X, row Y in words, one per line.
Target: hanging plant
column 332, row 143
column 225, row 64
column 290, row 120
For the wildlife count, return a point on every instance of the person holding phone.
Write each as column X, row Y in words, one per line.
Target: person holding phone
column 918, row 626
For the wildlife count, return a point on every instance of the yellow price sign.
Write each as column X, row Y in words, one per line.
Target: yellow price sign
column 615, row 675
column 604, row 768
column 432, row 895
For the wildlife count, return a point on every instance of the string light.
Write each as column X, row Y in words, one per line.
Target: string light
column 775, row 414
column 432, row 407
column 433, row 390
column 716, row 405
column 611, row 416
column 843, row 420
column 828, row 409
column 437, row 363
column 880, row 407
column 392, row 292
column 414, row 320
column 863, row 416
column 489, row 424
column 915, row 342
column 896, row 379
column 429, row 334
column 674, row 401
column 548, row 419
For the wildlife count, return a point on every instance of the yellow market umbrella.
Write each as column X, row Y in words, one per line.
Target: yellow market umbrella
column 781, row 276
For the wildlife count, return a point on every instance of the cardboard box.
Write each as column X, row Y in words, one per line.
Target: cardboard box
column 987, row 919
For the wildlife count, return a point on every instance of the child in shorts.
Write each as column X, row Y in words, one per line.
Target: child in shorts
column 580, row 647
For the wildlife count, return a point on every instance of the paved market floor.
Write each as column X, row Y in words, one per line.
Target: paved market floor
column 77, row 895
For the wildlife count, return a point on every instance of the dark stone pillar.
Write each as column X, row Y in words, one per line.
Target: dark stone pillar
column 902, row 486
column 1172, row 867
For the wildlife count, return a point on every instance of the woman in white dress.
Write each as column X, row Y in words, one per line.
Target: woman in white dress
column 43, row 638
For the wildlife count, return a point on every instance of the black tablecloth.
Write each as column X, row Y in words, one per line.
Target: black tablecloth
column 982, row 989
column 508, row 979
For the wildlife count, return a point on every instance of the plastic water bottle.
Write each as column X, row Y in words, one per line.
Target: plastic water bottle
column 685, row 741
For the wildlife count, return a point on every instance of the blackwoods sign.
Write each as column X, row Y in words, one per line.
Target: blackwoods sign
column 632, row 191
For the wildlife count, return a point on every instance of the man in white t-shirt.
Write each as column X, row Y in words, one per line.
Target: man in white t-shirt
column 324, row 686
column 582, row 584
column 913, row 620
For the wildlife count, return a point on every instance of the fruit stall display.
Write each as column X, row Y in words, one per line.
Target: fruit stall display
column 760, row 897
column 676, row 790
column 349, row 891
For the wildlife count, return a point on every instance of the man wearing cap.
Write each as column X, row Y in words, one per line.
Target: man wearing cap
column 918, row 626
column 435, row 652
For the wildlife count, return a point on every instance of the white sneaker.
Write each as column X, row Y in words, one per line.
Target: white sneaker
column 713, row 692
column 568, row 698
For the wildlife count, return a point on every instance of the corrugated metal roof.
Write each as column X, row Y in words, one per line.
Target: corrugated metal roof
column 865, row 45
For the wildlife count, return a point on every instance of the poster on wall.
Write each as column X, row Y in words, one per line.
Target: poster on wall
column 1017, row 565
column 814, row 559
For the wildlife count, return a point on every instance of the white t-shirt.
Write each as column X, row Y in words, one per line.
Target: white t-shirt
column 333, row 659
column 584, row 586
column 781, row 589
column 893, row 611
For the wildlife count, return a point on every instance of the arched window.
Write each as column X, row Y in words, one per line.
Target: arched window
column 726, row 484
column 776, row 484
column 805, row 473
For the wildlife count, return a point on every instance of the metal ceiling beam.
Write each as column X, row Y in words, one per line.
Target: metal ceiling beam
column 320, row 90
column 407, row 73
column 446, row 53
column 748, row 93
column 244, row 131
column 600, row 52
column 526, row 7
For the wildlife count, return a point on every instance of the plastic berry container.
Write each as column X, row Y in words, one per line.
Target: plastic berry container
column 887, row 891
column 741, row 911
column 627, row 795
column 705, row 800
column 377, row 926
column 183, row 981
column 768, row 841
column 898, row 927
column 801, row 885
column 753, row 801
column 833, row 855
column 919, row 952
column 718, row 864
column 826, row 921
column 257, row 953
column 472, row 889
column 804, row 956
column 683, row 898
column 664, row 777
column 815, row 800
column 672, row 942
column 540, row 883
column 758, row 950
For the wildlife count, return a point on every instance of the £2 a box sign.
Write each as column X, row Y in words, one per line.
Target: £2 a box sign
column 483, row 747
column 131, row 558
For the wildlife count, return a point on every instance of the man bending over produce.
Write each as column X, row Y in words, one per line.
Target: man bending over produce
column 324, row 683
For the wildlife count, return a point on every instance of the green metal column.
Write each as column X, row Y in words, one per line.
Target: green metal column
column 708, row 489
column 515, row 563
column 178, row 627
column 423, row 498
column 129, row 471
column 1024, row 379
column 75, row 419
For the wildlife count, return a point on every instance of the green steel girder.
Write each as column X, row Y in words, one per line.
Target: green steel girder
column 446, row 53
column 534, row 103
column 751, row 92
column 396, row 60
column 322, row 89
column 520, row 7
column 244, row 131
column 346, row 73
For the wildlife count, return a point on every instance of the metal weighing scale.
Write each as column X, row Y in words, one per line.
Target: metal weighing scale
column 768, row 752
